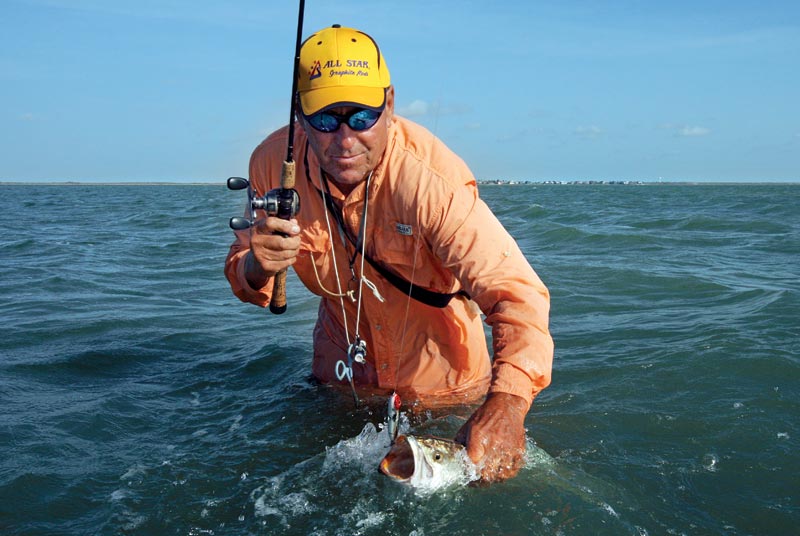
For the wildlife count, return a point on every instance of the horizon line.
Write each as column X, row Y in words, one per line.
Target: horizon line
column 490, row 182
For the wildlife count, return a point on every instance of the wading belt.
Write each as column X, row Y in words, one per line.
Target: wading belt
column 423, row 295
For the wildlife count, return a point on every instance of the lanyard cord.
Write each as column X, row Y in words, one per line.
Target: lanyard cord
column 360, row 243
column 356, row 350
column 338, row 280
column 341, row 294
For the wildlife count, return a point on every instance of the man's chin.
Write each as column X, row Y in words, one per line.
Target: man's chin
column 349, row 177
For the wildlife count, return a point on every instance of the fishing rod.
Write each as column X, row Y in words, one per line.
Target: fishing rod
column 283, row 202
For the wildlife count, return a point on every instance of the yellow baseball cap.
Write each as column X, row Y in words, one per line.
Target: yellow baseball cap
column 341, row 67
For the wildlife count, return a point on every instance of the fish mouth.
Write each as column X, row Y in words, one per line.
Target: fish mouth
column 399, row 462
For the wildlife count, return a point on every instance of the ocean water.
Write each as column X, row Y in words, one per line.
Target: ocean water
column 139, row 396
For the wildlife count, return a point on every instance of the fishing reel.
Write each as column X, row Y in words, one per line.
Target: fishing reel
column 283, row 203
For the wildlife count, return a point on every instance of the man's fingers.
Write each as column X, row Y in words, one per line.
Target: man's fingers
column 273, row 225
column 476, row 450
column 275, row 243
column 497, row 469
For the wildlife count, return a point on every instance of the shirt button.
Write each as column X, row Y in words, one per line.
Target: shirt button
column 378, row 327
column 384, row 366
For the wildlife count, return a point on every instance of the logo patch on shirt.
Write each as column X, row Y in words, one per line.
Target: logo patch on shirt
column 404, row 229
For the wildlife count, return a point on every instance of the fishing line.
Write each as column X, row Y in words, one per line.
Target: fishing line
column 288, row 200
column 293, row 100
column 408, row 308
column 394, row 401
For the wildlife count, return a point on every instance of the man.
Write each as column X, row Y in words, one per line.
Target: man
column 394, row 238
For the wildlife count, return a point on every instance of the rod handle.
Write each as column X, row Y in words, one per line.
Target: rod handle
column 277, row 304
column 287, row 176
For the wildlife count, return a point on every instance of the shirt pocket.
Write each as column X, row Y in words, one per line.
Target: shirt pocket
column 397, row 246
column 401, row 249
column 314, row 238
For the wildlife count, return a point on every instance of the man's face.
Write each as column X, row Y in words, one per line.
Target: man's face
column 349, row 155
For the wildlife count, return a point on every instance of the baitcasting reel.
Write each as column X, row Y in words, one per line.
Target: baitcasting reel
column 281, row 202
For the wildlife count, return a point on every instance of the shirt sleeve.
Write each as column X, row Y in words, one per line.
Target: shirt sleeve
column 487, row 261
column 234, row 271
column 263, row 163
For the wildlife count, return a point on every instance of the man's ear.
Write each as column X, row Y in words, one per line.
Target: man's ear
column 389, row 103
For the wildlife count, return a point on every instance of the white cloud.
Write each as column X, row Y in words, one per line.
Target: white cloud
column 686, row 131
column 591, row 131
column 435, row 109
column 417, row 108
column 692, row 132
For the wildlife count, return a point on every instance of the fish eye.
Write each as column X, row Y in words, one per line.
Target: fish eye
column 437, row 457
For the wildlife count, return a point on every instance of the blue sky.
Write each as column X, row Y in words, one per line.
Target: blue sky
column 174, row 90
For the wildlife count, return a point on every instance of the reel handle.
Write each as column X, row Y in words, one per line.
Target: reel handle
column 238, row 223
column 281, row 202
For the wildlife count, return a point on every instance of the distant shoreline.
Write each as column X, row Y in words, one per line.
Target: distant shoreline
column 629, row 183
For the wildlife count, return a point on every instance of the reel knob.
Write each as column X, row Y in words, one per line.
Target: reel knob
column 238, row 183
column 240, row 224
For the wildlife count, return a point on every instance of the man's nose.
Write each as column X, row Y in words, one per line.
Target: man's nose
column 346, row 136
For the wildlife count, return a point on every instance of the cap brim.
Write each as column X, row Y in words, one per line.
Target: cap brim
column 315, row 100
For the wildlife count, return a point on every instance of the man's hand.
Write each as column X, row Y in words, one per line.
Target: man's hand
column 270, row 252
column 495, row 436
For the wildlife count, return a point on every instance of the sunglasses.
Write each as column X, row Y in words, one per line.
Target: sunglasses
column 359, row 119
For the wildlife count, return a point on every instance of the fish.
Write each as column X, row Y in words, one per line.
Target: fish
column 428, row 462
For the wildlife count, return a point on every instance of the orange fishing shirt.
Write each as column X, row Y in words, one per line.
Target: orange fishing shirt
column 425, row 223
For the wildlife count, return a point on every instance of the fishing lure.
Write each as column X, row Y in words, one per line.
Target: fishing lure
column 393, row 416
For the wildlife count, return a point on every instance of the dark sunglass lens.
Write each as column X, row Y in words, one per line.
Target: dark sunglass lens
column 363, row 119
column 357, row 120
column 324, row 122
